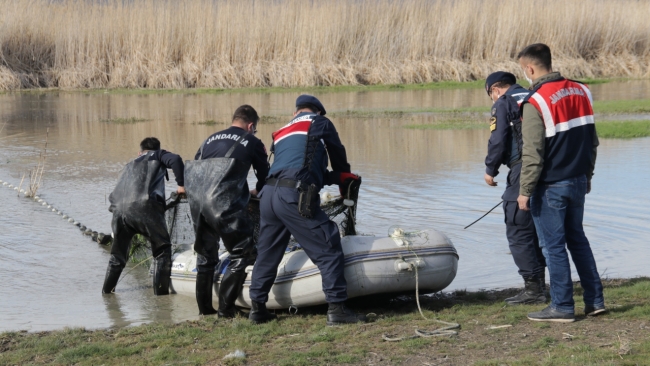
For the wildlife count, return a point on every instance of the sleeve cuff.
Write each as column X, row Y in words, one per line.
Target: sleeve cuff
column 491, row 172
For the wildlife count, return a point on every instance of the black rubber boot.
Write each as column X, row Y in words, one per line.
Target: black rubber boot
column 162, row 270
column 204, row 281
column 259, row 314
column 533, row 293
column 231, row 285
column 110, row 281
column 338, row 314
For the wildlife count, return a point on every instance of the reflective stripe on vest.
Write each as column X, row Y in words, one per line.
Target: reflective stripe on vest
column 298, row 126
column 563, row 104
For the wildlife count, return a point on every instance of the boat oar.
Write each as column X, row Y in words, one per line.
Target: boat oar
column 479, row 219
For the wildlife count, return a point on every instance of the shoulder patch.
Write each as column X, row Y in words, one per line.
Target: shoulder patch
column 493, row 124
column 494, row 110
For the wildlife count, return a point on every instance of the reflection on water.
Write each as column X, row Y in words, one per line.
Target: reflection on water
column 52, row 275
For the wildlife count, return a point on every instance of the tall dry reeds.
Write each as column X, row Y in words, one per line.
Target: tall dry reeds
column 248, row 43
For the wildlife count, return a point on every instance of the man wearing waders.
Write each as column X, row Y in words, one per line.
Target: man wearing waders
column 290, row 205
column 504, row 148
column 138, row 207
column 217, row 191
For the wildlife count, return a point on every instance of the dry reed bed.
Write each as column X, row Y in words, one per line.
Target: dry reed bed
column 247, row 43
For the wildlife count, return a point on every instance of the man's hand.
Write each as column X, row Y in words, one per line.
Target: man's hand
column 523, row 202
column 180, row 190
column 588, row 186
column 490, row 180
column 254, row 192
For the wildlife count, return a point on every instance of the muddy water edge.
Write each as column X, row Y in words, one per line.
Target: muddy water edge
column 418, row 179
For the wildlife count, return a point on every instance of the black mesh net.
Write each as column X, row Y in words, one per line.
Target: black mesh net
column 342, row 210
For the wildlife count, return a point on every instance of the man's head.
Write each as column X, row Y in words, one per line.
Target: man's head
column 535, row 60
column 309, row 102
column 149, row 143
column 246, row 117
column 497, row 83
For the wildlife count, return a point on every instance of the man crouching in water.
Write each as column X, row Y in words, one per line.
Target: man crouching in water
column 217, row 191
column 138, row 207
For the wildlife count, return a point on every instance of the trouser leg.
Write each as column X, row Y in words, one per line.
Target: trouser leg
column 548, row 207
column 320, row 239
column 119, row 252
column 237, row 236
column 207, row 259
column 155, row 229
column 522, row 240
column 578, row 245
column 273, row 241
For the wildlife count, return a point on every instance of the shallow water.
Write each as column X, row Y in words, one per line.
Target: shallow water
column 51, row 274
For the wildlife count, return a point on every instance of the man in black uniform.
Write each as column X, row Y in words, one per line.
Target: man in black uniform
column 504, row 148
column 290, row 205
column 138, row 207
column 218, row 194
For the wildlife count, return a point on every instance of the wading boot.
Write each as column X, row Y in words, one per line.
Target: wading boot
column 259, row 314
column 533, row 293
column 231, row 285
column 110, row 281
column 204, row 281
column 162, row 270
column 339, row 314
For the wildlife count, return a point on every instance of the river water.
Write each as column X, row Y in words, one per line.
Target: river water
column 419, row 179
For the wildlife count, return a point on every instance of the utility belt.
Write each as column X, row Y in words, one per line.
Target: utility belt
column 308, row 194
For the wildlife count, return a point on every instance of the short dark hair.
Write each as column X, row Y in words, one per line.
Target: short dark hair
column 150, row 143
column 246, row 114
column 539, row 54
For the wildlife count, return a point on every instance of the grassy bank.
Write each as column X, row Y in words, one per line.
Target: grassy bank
column 247, row 43
column 623, row 129
column 619, row 337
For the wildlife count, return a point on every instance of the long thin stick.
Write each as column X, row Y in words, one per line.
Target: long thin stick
column 497, row 205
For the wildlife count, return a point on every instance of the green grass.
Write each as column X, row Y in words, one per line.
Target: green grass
column 634, row 106
column 623, row 129
column 441, row 85
column 618, row 337
column 124, row 121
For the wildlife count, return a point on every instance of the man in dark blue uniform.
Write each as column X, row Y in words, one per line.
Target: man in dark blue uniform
column 138, row 207
column 290, row 205
column 504, row 148
column 217, row 191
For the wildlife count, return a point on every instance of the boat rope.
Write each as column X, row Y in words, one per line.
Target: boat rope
column 479, row 219
column 447, row 330
column 99, row 237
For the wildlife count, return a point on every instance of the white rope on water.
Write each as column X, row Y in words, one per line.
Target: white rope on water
column 96, row 236
column 447, row 330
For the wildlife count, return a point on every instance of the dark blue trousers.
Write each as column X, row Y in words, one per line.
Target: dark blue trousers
column 318, row 236
column 523, row 242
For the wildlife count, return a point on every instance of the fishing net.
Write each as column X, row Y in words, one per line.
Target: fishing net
column 342, row 210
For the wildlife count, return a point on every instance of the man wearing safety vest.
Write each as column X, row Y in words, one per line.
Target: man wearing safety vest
column 290, row 205
column 559, row 155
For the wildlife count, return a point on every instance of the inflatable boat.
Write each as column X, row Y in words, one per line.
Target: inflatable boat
column 373, row 265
